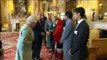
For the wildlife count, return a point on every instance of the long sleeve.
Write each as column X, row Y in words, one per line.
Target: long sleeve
column 58, row 33
column 48, row 25
column 27, row 36
column 58, row 30
column 68, row 30
column 80, row 40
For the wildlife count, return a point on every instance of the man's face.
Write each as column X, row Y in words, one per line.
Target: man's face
column 33, row 25
column 65, row 17
column 39, row 16
column 75, row 16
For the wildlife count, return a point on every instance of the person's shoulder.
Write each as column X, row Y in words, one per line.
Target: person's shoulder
column 45, row 18
column 25, row 27
column 85, row 23
column 69, row 21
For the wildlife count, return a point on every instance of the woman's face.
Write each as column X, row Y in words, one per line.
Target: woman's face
column 53, row 19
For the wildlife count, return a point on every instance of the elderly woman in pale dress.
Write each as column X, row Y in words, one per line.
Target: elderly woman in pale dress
column 24, row 45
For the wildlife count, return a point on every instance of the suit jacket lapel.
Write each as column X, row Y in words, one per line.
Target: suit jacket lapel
column 79, row 25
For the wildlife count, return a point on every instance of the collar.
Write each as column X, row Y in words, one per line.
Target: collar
column 68, row 19
column 80, row 21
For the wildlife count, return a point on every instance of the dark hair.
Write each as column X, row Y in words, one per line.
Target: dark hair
column 80, row 10
column 69, row 14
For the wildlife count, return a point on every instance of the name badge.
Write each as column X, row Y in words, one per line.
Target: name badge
column 53, row 24
column 75, row 32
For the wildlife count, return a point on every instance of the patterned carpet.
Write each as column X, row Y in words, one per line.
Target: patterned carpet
column 9, row 41
column 10, row 54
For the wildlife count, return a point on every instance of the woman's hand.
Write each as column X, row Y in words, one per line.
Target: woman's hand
column 47, row 33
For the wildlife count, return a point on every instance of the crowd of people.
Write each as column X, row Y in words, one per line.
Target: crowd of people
column 66, row 39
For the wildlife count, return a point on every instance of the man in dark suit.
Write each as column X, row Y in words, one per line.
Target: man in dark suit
column 79, row 50
column 43, row 20
column 37, row 42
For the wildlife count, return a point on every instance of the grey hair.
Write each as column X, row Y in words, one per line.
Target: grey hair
column 31, row 19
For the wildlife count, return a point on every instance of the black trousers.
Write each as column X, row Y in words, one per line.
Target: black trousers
column 36, row 50
column 44, row 39
column 52, row 41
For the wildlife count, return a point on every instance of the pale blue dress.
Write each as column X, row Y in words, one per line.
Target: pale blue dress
column 24, row 45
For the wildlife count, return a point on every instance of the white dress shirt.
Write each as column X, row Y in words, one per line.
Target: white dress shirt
column 79, row 21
